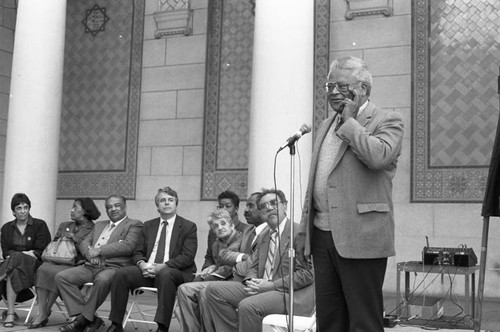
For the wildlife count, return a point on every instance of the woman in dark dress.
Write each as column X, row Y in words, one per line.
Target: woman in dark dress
column 23, row 241
column 83, row 213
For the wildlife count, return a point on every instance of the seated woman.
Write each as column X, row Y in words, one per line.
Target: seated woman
column 23, row 241
column 83, row 213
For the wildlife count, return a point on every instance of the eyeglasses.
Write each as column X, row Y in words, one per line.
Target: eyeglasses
column 274, row 204
column 342, row 87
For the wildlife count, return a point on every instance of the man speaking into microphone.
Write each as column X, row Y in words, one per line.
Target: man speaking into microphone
column 347, row 223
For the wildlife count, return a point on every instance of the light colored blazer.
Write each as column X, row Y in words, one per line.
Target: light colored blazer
column 121, row 244
column 303, row 275
column 360, row 184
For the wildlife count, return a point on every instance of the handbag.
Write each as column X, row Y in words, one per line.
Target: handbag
column 62, row 251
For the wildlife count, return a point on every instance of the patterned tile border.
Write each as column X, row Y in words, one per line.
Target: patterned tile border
column 214, row 180
column 449, row 184
column 97, row 184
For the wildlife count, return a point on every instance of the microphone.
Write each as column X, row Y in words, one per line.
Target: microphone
column 306, row 128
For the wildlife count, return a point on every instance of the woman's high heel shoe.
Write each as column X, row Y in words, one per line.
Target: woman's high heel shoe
column 39, row 325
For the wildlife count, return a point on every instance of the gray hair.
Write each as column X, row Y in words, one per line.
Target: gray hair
column 220, row 214
column 358, row 67
column 169, row 191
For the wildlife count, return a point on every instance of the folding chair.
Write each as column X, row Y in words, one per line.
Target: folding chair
column 23, row 306
column 30, row 304
column 279, row 323
column 139, row 308
column 87, row 287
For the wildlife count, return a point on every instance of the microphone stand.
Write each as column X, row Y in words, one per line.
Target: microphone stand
column 291, row 250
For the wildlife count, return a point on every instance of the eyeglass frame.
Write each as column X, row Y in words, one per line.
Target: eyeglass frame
column 272, row 203
column 343, row 88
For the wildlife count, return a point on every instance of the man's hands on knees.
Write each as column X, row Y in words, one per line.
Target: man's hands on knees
column 255, row 286
column 150, row 270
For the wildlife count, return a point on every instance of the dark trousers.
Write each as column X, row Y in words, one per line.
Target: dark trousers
column 130, row 277
column 349, row 294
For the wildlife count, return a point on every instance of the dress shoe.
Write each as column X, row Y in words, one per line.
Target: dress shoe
column 74, row 326
column 95, row 325
column 115, row 328
column 162, row 328
column 39, row 325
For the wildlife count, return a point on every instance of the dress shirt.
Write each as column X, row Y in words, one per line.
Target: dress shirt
column 169, row 225
column 106, row 233
column 257, row 231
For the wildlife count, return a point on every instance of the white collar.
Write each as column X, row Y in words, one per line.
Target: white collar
column 117, row 222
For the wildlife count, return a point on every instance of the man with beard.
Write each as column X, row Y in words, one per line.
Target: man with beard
column 265, row 287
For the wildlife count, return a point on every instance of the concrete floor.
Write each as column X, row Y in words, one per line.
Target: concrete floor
column 490, row 319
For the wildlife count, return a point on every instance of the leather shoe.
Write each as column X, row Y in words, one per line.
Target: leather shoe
column 39, row 325
column 74, row 326
column 95, row 325
column 115, row 328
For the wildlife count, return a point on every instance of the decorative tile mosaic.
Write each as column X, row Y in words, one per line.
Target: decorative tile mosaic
column 235, row 85
column 100, row 108
column 454, row 98
column 228, row 91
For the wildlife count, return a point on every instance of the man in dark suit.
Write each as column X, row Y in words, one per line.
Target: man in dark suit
column 165, row 260
column 108, row 247
column 250, row 236
column 265, row 290
column 348, row 221
column 253, row 217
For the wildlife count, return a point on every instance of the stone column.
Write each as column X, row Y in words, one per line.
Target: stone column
column 33, row 126
column 282, row 94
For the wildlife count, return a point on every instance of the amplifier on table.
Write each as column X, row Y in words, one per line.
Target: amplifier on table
column 449, row 256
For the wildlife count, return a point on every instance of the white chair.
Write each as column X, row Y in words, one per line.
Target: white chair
column 87, row 287
column 279, row 323
column 30, row 304
column 23, row 306
column 139, row 308
column 85, row 290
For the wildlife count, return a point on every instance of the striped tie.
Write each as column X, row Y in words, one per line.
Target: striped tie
column 268, row 273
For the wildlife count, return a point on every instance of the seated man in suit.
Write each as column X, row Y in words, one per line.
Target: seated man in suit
column 266, row 285
column 228, row 201
column 108, row 246
column 228, row 241
column 165, row 260
column 250, row 237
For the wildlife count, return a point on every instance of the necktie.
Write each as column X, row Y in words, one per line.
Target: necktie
column 251, row 242
column 160, row 250
column 268, row 273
